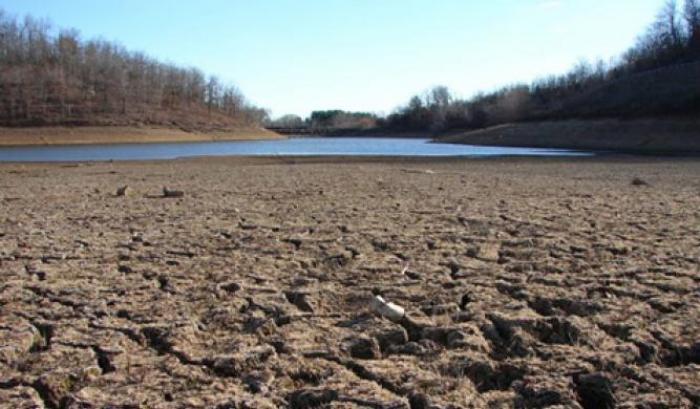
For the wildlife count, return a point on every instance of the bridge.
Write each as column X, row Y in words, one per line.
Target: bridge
column 295, row 130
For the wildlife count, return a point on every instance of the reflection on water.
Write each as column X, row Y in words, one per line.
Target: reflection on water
column 284, row 147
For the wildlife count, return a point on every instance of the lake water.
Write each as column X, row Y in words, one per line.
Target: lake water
column 283, row 147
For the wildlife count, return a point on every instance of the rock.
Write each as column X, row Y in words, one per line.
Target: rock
column 124, row 191
column 230, row 287
column 300, row 300
column 639, row 182
column 172, row 193
column 364, row 348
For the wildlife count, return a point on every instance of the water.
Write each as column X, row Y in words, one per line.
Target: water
column 283, row 147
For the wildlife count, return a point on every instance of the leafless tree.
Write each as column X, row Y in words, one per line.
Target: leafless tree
column 668, row 25
column 48, row 78
column 691, row 13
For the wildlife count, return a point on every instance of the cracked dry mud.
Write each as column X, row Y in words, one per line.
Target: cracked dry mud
column 528, row 283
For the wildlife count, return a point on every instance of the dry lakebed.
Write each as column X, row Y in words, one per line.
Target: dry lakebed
column 548, row 282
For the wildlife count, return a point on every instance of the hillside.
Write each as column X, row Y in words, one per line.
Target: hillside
column 615, row 105
column 82, row 135
column 667, row 90
column 53, row 78
column 623, row 115
column 653, row 136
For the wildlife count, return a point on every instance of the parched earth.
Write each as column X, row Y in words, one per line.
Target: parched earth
column 527, row 283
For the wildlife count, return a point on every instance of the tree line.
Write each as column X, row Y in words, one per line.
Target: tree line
column 53, row 77
column 588, row 90
column 334, row 119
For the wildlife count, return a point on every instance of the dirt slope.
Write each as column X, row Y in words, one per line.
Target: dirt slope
column 641, row 136
column 116, row 134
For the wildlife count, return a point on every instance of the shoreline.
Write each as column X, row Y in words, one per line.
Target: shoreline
column 113, row 135
column 660, row 136
column 263, row 160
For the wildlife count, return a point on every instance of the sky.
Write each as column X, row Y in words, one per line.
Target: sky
column 296, row 56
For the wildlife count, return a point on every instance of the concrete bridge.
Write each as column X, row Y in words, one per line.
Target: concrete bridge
column 294, row 130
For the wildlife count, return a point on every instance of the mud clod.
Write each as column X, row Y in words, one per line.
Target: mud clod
column 595, row 391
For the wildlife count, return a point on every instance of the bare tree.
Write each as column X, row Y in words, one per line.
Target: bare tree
column 668, row 25
column 691, row 13
column 48, row 78
column 440, row 99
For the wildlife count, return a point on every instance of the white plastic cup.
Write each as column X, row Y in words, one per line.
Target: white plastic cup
column 388, row 310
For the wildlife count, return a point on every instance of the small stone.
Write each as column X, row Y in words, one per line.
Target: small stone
column 124, row 191
column 231, row 287
column 300, row 300
column 639, row 182
column 172, row 193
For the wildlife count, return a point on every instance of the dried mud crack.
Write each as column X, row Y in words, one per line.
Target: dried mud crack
column 526, row 283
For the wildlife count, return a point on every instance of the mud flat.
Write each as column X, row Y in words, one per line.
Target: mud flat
column 81, row 135
column 526, row 283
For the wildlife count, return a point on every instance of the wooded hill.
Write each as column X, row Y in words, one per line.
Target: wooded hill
column 53, row 77
column 657, row 77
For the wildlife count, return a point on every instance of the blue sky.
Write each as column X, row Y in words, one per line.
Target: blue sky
column 295, row 56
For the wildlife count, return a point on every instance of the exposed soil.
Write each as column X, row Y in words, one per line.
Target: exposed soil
column 247, row 283
column 54, row 135
column 649, row 136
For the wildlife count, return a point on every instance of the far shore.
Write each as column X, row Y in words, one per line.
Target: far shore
column 641, row 136
column 93, row 135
